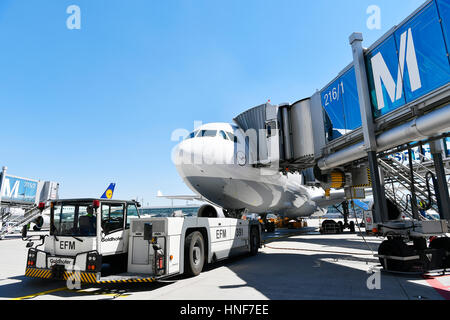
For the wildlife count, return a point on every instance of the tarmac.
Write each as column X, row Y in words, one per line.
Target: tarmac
column 299, row 264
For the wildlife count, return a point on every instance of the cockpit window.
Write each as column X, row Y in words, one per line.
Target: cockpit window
column 223, row 135
column 232, row 137
column 191, row 135
column 208, row 133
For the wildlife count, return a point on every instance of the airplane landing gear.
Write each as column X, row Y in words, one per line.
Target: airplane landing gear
column 331, row 226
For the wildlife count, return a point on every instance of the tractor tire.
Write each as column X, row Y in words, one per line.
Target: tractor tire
column 352, row 226
column 194, row 254
column 442, row 243
column 254, row 241
column 395, row 247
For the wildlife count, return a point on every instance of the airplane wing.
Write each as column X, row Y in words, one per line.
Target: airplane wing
column 182, row 197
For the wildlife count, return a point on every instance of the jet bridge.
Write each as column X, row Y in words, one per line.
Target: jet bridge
column 393, row 97
column 23, row 194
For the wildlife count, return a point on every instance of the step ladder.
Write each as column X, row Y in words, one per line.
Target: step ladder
column 11, row 223
column 397, row 182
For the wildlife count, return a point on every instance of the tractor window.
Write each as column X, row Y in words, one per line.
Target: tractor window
column 112, row 217
column 73, row 220
column 55, row 219
column 132, row 212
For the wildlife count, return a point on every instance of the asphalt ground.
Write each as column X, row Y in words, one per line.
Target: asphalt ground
column 294, row 264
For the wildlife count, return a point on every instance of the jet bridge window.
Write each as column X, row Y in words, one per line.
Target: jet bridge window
column 271, row 127
column 208, row 133
column 112, row 217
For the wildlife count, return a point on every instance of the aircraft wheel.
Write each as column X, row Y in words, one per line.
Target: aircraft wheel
column 352, row 226
column 194, row 254
column 270, row 227
column 340, row 227
column 254, row 241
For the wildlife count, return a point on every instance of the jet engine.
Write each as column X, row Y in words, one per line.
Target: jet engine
column 38, row 223
column 210, row 211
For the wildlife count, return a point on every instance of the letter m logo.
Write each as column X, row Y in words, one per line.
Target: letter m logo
column 8, row 191
column 381, row 73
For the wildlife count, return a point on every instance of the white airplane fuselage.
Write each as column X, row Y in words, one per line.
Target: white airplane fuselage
column 214, row 165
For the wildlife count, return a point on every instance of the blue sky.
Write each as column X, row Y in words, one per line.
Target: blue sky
column 97, row 105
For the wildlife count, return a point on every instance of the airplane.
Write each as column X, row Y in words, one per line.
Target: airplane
column 214, row 162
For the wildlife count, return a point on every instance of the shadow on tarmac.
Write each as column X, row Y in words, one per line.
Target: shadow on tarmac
column 278, row 276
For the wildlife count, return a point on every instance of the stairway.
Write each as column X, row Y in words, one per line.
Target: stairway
column 397, row 179
column 17, row 222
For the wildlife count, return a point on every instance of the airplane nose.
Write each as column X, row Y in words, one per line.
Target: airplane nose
column 178, row 154
column 182, row 153
column 183, row 157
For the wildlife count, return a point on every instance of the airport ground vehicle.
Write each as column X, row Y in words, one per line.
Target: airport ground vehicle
column 268, row 223
column 105, row 241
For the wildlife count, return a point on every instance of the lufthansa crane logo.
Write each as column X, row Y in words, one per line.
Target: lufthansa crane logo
column 109, row 193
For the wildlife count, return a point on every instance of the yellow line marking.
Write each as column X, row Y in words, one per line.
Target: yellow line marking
column 100, row 293
column 40, row 294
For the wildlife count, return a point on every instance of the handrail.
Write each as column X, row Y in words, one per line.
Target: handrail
column 424, row 157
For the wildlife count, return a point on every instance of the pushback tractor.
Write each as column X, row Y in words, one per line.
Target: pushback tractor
column 106, row 241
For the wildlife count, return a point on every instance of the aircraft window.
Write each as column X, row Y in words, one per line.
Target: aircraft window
column 232, row 137
column 208, row 133
column 221, row 133
column 191, row 135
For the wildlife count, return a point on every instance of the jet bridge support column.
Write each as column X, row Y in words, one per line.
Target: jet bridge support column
column 441, row 188
column 2, row 182
column 380, row 214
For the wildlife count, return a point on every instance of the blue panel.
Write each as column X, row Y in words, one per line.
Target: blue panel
column 333, row 103
column 430, row 50
column 351, row 102
column 340, row 100
column 418, row 45
column 387, row 52
column 444, row 13
column 18, row 189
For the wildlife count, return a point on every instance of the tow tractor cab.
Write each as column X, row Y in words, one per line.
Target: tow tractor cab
column 87, row 234
column 84, row 234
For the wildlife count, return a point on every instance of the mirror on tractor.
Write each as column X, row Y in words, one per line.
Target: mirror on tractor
column 30, row 244
column 148, row 231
